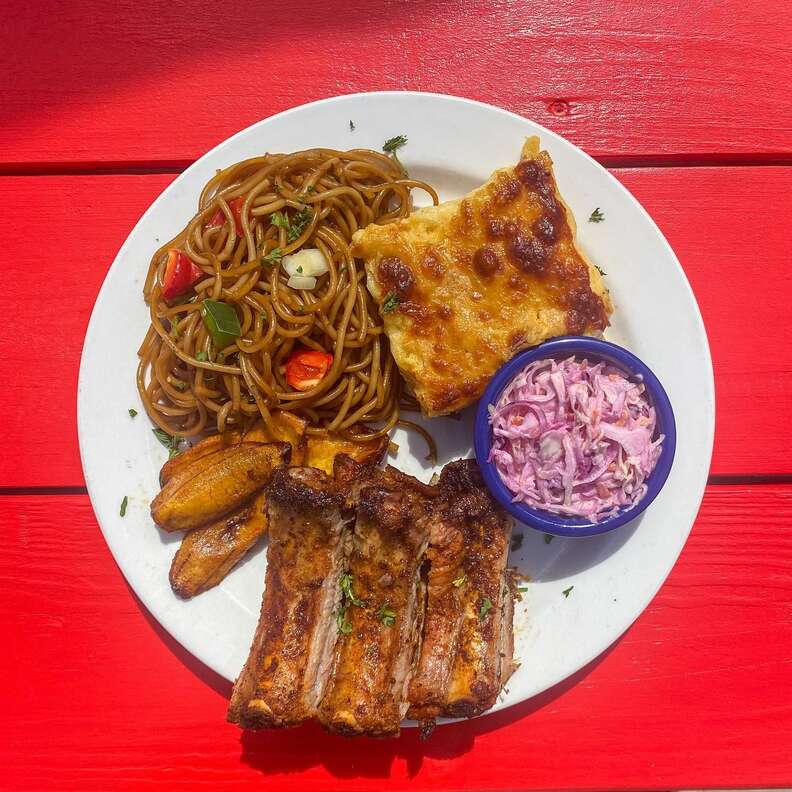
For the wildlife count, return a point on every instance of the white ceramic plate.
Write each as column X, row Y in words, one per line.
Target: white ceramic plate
column 453, row 144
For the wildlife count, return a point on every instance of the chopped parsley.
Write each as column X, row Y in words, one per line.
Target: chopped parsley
column 386, row 615
column 392, row 145
column 351, row 125
column 596, row 216
column 299, row 223
column 567, row 591
column 299, row 269
column 132, row 412
column 293, row 226
column 180, row 386
column 522, row 589
column 346, row 589
column 486, row 607
column 124, row 502
column 344, row 625
column 202, row 356
column 171, row 443
column 347, row 598
column 273, row 257
column 460, row 581
column 390, row 302
column 548, row 538
column 516, row 542
column 280, row 220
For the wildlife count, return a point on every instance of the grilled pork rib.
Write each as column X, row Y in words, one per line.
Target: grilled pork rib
column 467, row 647
column 285, row 675
column 381, row 607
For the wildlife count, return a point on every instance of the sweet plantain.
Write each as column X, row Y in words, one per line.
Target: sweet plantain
column 321, row 450
column 190, row 501
column 285, row 428
column 208, row 554
column 198, row 451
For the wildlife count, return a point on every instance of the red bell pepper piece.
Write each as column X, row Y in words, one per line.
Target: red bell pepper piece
column 181, row 274
column 218, row 218
column 306, row 367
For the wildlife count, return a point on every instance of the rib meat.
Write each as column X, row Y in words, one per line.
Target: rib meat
column 467, row 648
column 381, row 610
column 285, row 675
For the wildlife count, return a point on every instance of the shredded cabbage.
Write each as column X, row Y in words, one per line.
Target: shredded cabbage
column 574, row 439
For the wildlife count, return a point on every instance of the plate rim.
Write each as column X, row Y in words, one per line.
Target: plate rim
column 147, row 598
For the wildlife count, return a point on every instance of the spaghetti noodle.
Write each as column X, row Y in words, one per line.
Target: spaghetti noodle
column 250, row 215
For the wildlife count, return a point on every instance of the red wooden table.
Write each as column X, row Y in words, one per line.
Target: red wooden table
column 690, row 104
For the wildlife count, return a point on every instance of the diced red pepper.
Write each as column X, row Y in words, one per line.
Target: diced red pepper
column 181, row 274
column 218, row 218
column 305, row 368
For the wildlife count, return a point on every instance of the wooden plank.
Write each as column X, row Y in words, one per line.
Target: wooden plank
column 696, row 694
column 732, row 246
column 154, row 82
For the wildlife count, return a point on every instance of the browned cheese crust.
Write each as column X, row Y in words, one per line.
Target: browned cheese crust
column 470, row 282
column 286, row 672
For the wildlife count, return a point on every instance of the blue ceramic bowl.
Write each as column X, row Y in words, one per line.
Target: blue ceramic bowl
column 594, row 351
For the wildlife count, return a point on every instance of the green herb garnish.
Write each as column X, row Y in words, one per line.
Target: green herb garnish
column 391, row 146
column 124, row 502
column 566, row 592
column 596, row 216
column 280, row 220
column 171, row 443
column 273, row 257
column 390, row 302
column 299, row 223
column 132, row 412
column 460, row 581
column 486, row 607
column 347, row 598
column 522, row 589
column 516, row 542
column 221, row 321
column 548, row 538
column 386, row 615
column 202, row 356
column 346, row 588
column 343, row 624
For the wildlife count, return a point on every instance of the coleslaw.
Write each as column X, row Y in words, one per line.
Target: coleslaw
column 574, row 439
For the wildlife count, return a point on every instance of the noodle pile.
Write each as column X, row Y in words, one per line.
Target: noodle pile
column 190, row 388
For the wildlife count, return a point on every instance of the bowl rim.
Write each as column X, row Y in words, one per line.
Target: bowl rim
column 564, row 346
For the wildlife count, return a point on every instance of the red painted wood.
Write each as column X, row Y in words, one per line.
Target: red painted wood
column 150, row 81
column 728, row 226
column 697, row 694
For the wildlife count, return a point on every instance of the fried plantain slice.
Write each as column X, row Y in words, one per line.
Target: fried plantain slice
column 218, row 488
column 321, row 450
column 198, row 451
column 208, row 554
column 285, row 428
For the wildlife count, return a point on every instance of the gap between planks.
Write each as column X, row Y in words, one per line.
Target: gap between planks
column 623, row 161
column 712, row 481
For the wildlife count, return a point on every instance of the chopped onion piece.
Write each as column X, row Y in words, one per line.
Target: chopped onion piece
column 574, row 439
column 309, row 261
column 301, row 282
